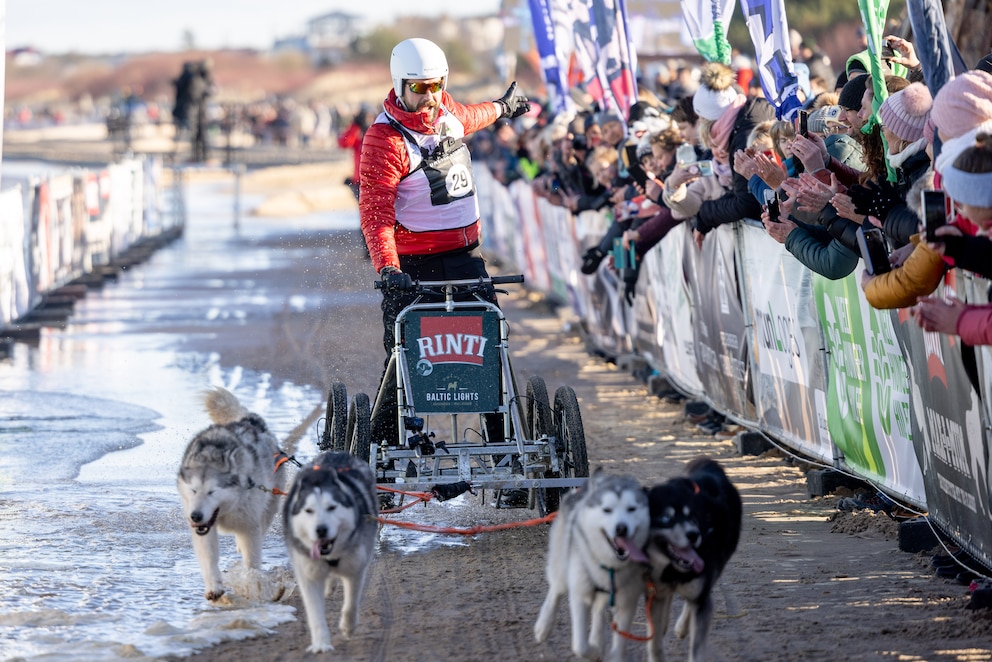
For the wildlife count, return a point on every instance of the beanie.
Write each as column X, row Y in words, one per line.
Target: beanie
column 715, row 93
column 930, row 129
column 905, row 113
column 963, row 103
column 709, row 104
column 851, row 93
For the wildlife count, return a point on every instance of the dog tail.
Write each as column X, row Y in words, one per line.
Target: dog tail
column 223, row 407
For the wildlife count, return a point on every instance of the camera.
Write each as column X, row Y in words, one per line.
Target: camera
column 934, row 212
column 874, row 251
column 702, row 168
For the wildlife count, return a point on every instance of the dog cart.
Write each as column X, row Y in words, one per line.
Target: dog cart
column 462, row 423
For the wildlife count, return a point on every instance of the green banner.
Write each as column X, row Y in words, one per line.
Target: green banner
column 868, row 394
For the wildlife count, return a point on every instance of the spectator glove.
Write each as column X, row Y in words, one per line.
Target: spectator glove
column 513, row 104
column 875, row 199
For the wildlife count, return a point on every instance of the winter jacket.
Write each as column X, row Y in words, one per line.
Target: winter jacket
column 917, row 277
column 385, row 162
column 351, row 138
column 845, row 149
column 971, row 253
column 814, row 247
column 737, row 203
column 687, row 199
column 975, row 325
column 902, row 222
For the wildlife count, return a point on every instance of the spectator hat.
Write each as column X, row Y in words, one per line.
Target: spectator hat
column 963, row 103
column 825, row 119
column 905, row 113
column 851, row 93
column 716, row 92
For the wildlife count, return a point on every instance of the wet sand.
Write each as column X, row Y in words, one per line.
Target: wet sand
column 807, row 582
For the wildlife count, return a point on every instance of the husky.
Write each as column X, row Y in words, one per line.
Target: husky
column 695, row 528
column 330, row 526
column 594, row 555
column 228, row 482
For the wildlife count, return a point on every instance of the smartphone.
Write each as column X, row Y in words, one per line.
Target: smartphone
column 887, row 51
column 634, row 168
column 704, row 168
column 874, row 251
column 934, row 212
column 803, row 123
column 771, row 204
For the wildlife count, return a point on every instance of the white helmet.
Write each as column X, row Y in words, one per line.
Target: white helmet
column 416, row 59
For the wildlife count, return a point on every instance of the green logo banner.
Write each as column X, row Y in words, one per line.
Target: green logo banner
column 868, row 395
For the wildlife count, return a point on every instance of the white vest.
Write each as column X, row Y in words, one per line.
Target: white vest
column 438, row 193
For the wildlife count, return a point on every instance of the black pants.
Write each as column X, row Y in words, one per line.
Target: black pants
column 446, row 266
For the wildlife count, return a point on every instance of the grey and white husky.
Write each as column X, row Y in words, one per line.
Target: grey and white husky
column 594, row 555
column 330, row 525
column 226, row 481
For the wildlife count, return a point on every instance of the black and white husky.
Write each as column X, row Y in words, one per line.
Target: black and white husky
column 226, row 480
column 695, row 527
column 330, row 525
column 594, row 556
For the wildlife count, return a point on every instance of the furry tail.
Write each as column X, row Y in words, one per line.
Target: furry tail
column 223, row 407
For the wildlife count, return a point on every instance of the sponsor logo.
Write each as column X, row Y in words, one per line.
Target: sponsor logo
column 451, row 339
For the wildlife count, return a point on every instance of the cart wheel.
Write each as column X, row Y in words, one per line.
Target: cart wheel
column 539, row 417
column 359, row 428
column 336, row 419
column 571, row 434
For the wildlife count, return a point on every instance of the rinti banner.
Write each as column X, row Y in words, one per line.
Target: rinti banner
column 453, row 360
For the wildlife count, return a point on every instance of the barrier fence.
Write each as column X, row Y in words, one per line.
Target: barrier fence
column 744, row 326
column 58, row 228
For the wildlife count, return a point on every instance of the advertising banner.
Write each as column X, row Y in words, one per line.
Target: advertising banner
column 948, row 435
column 453, row 360
column 718, row 322
column 789, row 375
column 868, row 395
column 669, row 292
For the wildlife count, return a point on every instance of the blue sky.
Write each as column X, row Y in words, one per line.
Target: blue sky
column 108, row 26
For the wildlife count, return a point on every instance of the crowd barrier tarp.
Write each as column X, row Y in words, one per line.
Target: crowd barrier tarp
column 498, row 215
column 532, row 236
column 589, row 227
column 948, row 434
column 718, row 323
column 15, row 298
column 561, row 248
column 790, row 379
column 671, row 342
column 868, row 399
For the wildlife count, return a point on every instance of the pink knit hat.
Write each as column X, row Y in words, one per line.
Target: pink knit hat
column 963, row 103
column 905, row 113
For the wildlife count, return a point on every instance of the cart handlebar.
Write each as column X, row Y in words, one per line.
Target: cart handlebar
column 461, row 285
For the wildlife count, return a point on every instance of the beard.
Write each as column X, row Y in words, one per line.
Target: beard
column 430, row 109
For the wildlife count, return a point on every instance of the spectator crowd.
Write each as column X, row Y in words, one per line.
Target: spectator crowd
column 702, row 146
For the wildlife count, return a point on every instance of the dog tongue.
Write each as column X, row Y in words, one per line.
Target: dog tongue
column 634, row 553
column 315, row 550
column 689, row 555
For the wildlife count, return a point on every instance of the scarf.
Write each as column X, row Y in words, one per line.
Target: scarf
column 896, row 160
column 720, row 140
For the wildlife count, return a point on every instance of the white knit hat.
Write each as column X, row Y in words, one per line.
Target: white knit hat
column 709, row 104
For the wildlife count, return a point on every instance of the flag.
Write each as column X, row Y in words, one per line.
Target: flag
column 602, row 50
column 554, row 64
column 707, row 22
column 873, row 15
column 769, row 28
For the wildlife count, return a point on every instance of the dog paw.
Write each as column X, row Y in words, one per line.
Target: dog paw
column 321, row 647
column 214, row 595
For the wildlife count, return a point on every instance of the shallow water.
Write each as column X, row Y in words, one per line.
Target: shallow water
column 95, row 556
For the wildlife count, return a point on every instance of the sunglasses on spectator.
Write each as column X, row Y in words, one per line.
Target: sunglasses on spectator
column 424, row 88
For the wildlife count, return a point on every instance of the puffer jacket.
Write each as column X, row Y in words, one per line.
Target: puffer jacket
column 918, row 276
column 814, row 247
column 385, row 162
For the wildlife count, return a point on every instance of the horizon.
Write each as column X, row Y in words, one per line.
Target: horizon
column 58, row 27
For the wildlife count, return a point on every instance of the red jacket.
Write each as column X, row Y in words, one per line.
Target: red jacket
column 351, row 139
column 384, row 162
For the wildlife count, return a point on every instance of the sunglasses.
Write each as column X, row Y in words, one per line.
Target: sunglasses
column 424, row 88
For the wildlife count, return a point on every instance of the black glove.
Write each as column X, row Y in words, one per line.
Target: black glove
column 395, row 280
column 875, row 199
column 591, row 260
column 513, row 104
column 629, row 276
